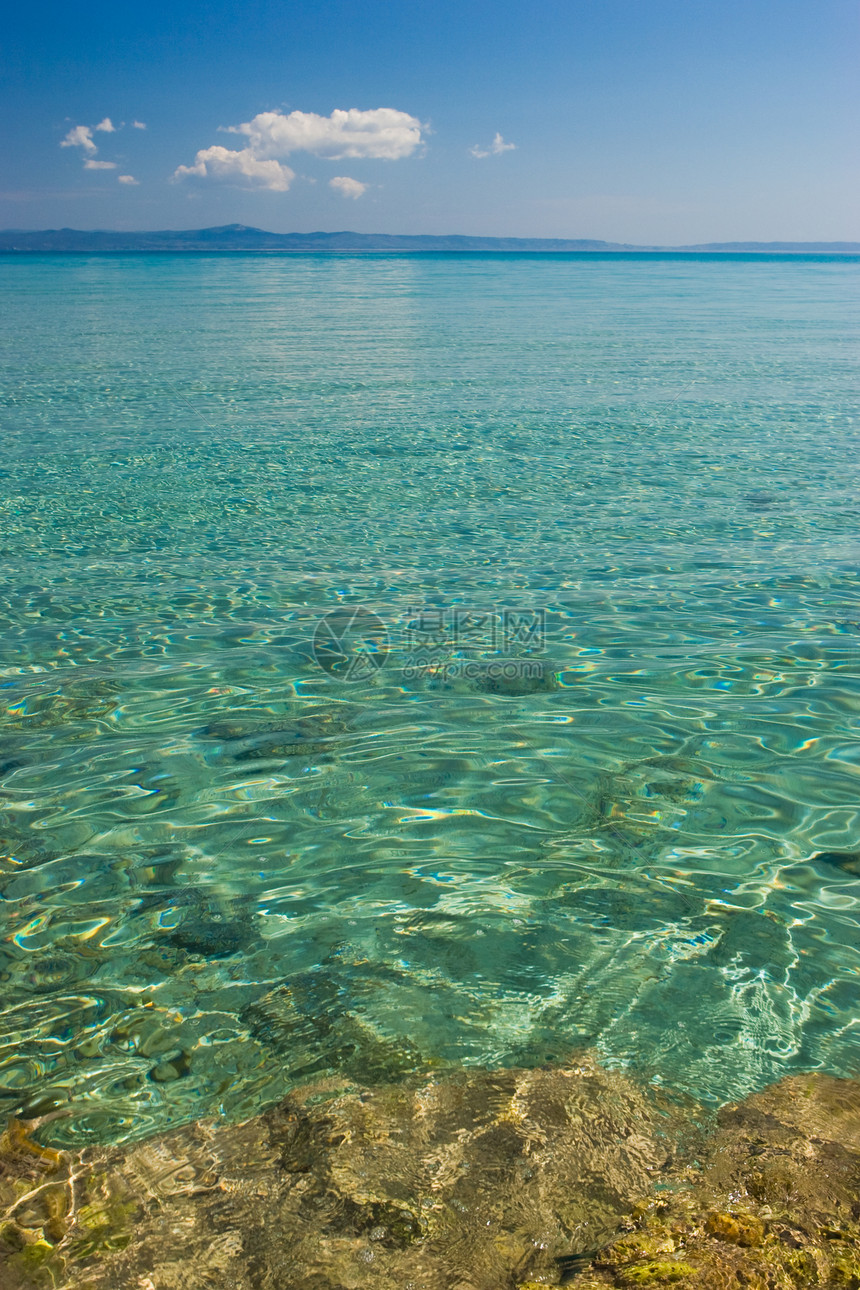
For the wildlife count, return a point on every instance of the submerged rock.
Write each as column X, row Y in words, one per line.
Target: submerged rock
column 773, row 1201
column 471, row 1180
column 518, row 677
column 241, row 738
column 212, row 927
column 308, row 1015
column 849, row 861
column 514, row 677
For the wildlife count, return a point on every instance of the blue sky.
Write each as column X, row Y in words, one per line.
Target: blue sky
column 654, row 121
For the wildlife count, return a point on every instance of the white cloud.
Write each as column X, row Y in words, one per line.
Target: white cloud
column 139, row 125
column 80, row 136
column 232, row 166
column 380, row 132
column 127, row 179
column 496, row 148
column 347, row 187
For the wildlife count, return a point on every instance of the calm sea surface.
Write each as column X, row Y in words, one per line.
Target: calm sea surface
column 424, row 660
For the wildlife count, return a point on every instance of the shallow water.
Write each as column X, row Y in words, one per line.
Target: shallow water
column 584, row 772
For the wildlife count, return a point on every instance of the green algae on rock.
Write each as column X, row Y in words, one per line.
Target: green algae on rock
column 773, row 1202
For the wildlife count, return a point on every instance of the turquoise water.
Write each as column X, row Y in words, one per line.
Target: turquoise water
column 583, row 771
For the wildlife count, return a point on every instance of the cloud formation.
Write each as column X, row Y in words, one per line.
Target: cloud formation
column 379, row 133
column 127, row 179
column 347, row 187
column 496, row 148
column 233, row 167
column 139, row 125
column 80, row 136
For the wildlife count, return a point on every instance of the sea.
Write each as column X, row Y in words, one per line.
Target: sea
column 424, row 661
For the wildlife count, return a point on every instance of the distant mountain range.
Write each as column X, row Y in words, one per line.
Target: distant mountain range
column 239, row 237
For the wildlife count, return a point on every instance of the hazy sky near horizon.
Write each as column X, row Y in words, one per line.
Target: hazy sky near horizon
column 648, row 121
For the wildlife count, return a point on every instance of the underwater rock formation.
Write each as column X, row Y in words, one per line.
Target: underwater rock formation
column 250, row 738
column 772, row 1203
column 469, row 1180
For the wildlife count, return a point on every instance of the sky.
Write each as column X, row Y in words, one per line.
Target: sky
column 645, row 121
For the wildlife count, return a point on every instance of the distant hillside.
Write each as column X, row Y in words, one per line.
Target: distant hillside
column 239, row 237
